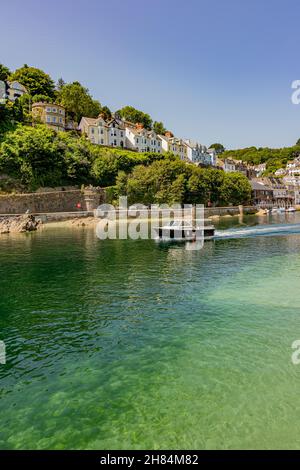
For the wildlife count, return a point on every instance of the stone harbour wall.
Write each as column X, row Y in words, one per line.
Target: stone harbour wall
column 52, row 201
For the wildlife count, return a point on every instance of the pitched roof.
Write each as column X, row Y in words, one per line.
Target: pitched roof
column 90, row 121
column 259, row 186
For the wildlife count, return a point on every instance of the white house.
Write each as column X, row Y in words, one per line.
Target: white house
column 280, row 172
column 142, row 140
column 198, row 153
column 116, row 133
column 228, row 165
column 164, row 140
column 213, row 155
column 259, row 169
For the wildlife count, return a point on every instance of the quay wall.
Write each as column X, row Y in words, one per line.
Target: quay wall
column 51, row 201
column 69, row 202
column 230, row 210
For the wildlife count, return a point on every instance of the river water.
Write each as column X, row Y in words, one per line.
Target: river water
column 134, row 344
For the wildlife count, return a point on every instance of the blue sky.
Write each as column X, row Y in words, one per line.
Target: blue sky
column 211, row 70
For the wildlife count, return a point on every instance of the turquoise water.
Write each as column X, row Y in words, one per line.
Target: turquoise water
column 133, row 344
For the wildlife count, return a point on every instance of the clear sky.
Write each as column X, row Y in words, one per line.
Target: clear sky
column 211, row 70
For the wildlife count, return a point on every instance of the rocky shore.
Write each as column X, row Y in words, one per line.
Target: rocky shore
column 15, row 224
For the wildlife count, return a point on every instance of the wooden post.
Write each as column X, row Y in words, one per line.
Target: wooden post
column 194, row 222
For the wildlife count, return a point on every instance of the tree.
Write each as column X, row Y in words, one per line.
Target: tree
column 4, row 72
column 159, row 128
column 60, row 84
column 235, row 189
column 129, row 113
column 106, row 113
column 33, row 156
column 42, row 98
column 218, row 147
column 35, row 80
column 38, row 156
column 78, row 102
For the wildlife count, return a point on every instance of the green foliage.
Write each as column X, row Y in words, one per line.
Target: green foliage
column 106, row 113
column 38, row 156
column 170, row 181
column 60, row 84
column 235, row 189
column 218, row 147
column 109, row 162
column 129, row 113
column 159, row 128
column 42, row 99
column 35, row 80
column 78, row 102
column 274, row 158
column 11, row 114
column 31, row 154
column 4, row 72
column 6, row 119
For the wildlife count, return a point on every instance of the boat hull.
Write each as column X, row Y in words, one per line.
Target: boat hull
column 185, row 234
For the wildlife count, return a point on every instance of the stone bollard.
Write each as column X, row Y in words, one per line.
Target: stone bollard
column 91, row 199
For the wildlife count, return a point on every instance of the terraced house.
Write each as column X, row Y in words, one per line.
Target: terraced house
column 172, row 144
column 100, row 132
column 120, row 133
column 197, row 153
column 142, row 140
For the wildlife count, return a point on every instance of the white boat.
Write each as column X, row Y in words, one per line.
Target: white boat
column 184, row 230
column 274, row 210
column 291, row 209
column 281, row 209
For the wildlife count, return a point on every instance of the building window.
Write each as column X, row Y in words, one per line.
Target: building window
column 54, row 119
column 102, row 141
column 121, row 133
column 48, row 119
column 60, row 120
column 48, row 110
column 54, row 110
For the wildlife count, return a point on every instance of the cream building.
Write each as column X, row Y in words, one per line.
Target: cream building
column 53, row 115
column 173, row 144
column 227, row 164
column 95, row 129
column 100, row 132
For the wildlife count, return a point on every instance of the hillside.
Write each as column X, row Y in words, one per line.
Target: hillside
column 274, row 158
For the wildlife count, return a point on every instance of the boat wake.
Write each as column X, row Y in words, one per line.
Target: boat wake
column 262, row 230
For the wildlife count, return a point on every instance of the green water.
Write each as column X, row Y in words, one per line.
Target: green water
column 132, row 344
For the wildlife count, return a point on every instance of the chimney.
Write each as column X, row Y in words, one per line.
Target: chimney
column 169, row 134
